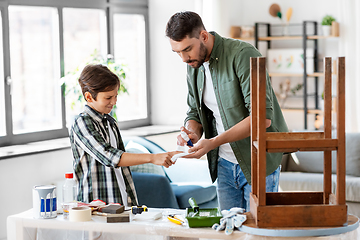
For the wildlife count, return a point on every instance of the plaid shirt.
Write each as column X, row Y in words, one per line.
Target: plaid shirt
column 95, row 159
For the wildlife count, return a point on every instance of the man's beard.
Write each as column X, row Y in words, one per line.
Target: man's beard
column 202, row 56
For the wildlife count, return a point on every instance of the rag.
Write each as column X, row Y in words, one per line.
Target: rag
column 183, row 149
column 231, row 218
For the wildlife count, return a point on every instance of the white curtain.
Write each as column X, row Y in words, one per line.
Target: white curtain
column 350, row 48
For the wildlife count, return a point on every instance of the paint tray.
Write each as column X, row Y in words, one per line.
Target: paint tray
column 206, row 217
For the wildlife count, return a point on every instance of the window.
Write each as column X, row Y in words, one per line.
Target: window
column 35, row 69
column 84, row 33
column 130, row 49
column 84, row 38
column 45, row 40
column 2, row 86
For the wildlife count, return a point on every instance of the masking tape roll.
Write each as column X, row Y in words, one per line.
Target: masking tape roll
column 80, row 214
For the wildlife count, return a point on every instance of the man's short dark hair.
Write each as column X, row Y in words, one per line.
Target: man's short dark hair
column 183, row 24
column 97, row 78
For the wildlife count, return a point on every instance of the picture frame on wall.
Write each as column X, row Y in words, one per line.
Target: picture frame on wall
column 290, row 60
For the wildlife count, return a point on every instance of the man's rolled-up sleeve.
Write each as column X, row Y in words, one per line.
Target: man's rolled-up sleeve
column 243, row 72
column 192, row 113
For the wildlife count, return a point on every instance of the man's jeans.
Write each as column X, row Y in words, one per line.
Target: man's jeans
column 234, row 190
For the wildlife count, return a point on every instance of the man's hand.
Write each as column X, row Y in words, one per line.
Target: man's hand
column 239, row 131
column 193, row 137
column 201, row 148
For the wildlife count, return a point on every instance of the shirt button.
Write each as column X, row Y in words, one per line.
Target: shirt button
column 200, row 89
column 200, row 108
column 217, row 59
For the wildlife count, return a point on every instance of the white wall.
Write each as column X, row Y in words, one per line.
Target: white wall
column 20, row 174
column 246, row 13
column 168, row 71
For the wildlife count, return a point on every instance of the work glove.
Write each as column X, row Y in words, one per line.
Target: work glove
column 231, row 218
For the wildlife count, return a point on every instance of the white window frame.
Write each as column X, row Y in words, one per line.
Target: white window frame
column 111, row 7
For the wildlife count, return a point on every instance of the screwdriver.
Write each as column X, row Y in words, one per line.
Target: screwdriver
column 175, row 219
column 138, row 209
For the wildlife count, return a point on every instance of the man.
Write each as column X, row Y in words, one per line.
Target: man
column 218, row 77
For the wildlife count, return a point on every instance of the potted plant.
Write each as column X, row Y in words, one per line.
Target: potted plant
column 74, row 100
column 326, row 24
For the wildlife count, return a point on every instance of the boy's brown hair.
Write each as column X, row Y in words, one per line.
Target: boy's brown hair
column 97, row 78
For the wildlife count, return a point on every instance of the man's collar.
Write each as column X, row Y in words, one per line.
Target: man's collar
column 214, row 52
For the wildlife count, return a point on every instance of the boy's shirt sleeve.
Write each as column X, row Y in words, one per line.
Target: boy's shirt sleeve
column 88, row 138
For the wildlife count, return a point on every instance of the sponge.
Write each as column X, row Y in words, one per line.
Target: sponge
column 113, row 209
column 123, row 217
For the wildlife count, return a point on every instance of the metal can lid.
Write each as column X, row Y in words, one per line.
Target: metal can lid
column 42, row 187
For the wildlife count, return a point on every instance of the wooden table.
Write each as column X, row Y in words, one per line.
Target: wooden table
column 23, row 226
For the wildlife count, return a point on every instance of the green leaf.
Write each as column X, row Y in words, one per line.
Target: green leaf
column 72, row 91
column 327, row 20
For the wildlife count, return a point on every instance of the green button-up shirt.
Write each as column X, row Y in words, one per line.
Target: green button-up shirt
column 230, row 71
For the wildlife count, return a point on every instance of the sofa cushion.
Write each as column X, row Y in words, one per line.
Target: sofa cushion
column 352, row 188
column 201, row 194
column 154, row 191
column 189, row 170
column 284, row 161
column 133, row 147
column 353, row 154
column 313, row 161
column 300, row 181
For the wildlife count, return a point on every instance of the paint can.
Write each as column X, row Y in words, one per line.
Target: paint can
column 44, row 201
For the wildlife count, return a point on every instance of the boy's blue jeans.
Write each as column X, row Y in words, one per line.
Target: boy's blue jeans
column 234, row 190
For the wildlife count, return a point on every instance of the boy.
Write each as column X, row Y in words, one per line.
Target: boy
column 101, row 164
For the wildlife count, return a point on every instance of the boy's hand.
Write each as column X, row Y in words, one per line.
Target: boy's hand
column 163, row 159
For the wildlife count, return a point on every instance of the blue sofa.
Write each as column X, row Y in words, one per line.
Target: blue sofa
column 154, row 184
